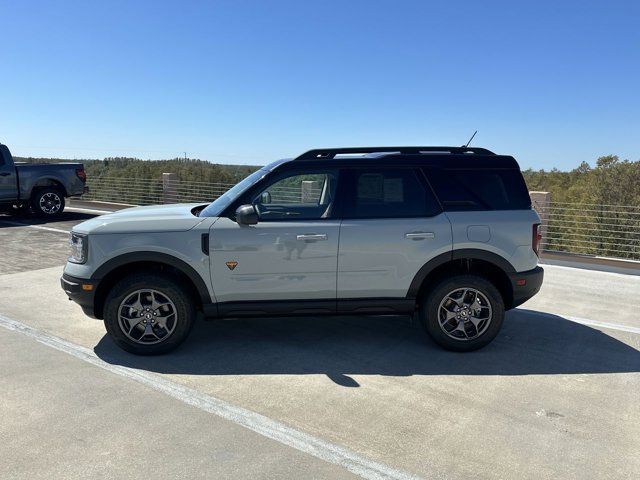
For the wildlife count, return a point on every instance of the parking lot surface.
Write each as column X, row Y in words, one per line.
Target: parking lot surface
column 554, row 396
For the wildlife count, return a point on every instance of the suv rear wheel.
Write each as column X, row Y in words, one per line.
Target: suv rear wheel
column 148, row 314
column 462, row 313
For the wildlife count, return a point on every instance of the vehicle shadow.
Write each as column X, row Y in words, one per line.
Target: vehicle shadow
column 31, row 219
column 529, row 343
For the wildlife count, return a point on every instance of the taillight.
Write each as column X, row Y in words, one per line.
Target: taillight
column 536, row 238
column 81, row 174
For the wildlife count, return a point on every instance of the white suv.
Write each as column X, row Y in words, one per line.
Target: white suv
column 447, row 232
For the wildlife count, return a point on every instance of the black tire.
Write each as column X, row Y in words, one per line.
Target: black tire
column 430, row 314
column 47, row 202
column 19, row 210
column 167, row 286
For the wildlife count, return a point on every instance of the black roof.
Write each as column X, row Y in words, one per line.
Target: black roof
column 446, row 157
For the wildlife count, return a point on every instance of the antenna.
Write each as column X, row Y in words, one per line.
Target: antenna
column 474, row 134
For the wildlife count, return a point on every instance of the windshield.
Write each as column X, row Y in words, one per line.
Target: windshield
column 219, row 204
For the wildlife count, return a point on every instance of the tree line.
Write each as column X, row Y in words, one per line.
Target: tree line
column 595, row 209
column 188, row 170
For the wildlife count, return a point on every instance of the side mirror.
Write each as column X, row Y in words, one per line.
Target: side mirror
column 246, row 215
column 265, row 198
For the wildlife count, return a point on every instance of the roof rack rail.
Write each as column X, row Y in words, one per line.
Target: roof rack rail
column 328, row 153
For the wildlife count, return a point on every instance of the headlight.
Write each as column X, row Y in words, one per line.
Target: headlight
column 78, row 245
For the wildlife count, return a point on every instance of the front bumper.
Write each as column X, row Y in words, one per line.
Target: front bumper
column 81, row 291
column 525, row 285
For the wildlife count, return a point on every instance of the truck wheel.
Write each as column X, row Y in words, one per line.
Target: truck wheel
column 148, row 314
column 462, row 313
column 48, row 202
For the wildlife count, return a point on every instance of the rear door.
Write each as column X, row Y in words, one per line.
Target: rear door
column 490, row 210
column 392, row 225
column 8, row 177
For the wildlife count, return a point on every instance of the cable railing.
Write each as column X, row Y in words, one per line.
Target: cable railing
column 146, row 191
column 140, row 191
column 587, row 228
column 608, row 230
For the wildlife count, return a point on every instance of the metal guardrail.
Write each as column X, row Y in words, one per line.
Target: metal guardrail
column 150, row 191
column 581, row 228
column 141, row 191
column 591, row 229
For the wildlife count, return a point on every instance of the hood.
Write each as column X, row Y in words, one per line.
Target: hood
column 155, row 218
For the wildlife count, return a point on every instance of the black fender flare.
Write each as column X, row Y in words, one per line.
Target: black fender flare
column 124, row 259
column 464, row 253
column 48, row 178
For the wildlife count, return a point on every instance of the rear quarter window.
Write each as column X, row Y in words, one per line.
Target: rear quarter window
column 480, row 189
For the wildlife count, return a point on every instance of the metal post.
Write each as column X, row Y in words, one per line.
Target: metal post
column 309, row 191
column 170, row 188
column 541, row 201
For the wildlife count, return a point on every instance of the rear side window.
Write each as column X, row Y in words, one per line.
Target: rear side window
column 387, row 193
column 480, row 189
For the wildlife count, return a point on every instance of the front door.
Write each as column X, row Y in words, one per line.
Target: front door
column 290, row 254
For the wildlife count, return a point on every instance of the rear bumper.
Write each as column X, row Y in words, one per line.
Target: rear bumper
column 81, row 291
column 525, row 285
column 79, row 193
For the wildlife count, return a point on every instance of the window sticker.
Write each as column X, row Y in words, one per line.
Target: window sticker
column 393, row 190
column 370, row 187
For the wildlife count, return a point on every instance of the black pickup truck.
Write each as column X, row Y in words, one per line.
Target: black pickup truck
column 39, row 187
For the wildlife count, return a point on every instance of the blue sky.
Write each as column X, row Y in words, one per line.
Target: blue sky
column 552, row 83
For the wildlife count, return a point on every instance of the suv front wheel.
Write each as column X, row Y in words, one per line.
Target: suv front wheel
column 148, row 314
column 462, row 313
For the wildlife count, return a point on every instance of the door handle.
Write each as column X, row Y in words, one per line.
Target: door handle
column 311, row 237
column 4, row 174
column 419, row 235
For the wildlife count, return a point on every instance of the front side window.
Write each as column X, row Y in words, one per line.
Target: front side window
column 308, row 196
column 388, row 193
column 218, row 205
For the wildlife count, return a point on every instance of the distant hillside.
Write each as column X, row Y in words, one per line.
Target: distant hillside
column 595, row 210
column 611, row 181
column 130, row 168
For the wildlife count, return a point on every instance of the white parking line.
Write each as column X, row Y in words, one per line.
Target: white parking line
column 39, row 227
column 592, row 323
column 629, row 276
column 87, row 210
column 260, row 424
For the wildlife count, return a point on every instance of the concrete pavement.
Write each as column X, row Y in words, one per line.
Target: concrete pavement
column 550, row 398
column 65, row 419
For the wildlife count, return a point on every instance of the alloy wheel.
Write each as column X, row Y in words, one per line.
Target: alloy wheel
column 50, row 203
column 464, row 314
column 147, row 316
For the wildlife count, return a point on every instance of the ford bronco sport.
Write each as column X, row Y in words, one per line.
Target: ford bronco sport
column 447, row 232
